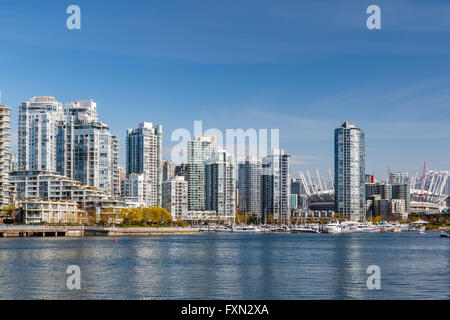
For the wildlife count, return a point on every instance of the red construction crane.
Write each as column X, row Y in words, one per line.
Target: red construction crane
column 390, row 175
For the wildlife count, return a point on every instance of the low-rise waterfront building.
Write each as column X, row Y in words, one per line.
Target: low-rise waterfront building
column 312, row 215
column 208, row 216
column 48, row 185
column 38, row 185
column 44, row 211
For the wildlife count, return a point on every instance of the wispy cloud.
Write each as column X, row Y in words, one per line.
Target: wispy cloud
column 304, row 160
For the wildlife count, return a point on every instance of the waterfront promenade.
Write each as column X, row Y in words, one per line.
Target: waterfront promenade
column 80, row 231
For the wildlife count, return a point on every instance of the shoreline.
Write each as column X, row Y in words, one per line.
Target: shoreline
column 81, row 231
column 63, row 231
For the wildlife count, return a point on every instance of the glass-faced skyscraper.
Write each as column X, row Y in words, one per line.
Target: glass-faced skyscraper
column 144, row 156
column 5, row 156
column 198, row 151
column 38, row 122
column 349, row 171
column 276, row 186
column 220, row 184
column 250, row 186
column 86, row 149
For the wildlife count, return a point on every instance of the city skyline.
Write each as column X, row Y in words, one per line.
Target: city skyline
column 242, row 152
column 304, row 70
column 384, row 176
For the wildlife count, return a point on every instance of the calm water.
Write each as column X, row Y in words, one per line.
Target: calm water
column 228, row 266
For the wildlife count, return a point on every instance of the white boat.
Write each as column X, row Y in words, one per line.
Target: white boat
column 405, row 227
column 283, row 228
column 223, row 229
column 304, row 229
column 366, row 228
column 265, row 228
column 246, row 229
column 333, row 227
column 389, row 227
column 349, row 227
column 419, row 226
column 421, row 230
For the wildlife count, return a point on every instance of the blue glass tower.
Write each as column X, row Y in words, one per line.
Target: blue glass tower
column 349, row 171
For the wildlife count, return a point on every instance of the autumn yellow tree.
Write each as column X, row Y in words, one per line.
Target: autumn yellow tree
column 248, row 218
column 7, row 211
column 270, row 219
column 146, row 216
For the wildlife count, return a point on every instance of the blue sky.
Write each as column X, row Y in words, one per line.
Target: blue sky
column 300, row 66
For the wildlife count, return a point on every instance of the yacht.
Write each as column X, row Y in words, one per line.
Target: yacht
column 246, row 229
column 222, row 229
column 366, row 227
column 304, row 229
column 278, row 229
column 349, row 227
column 333, row 227
column 421, row 230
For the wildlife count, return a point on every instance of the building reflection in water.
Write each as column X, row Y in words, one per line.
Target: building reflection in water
column 226, row 266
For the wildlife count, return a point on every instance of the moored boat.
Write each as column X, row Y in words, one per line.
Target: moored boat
column 304, row 229
column 333, row 227
column 222, row 229
column 246, row 229
column 445, row 233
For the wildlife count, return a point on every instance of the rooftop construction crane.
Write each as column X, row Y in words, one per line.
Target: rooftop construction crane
column 391, row 175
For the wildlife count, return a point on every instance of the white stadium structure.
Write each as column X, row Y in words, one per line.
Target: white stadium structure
column 320, row 191
column 434, row 195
